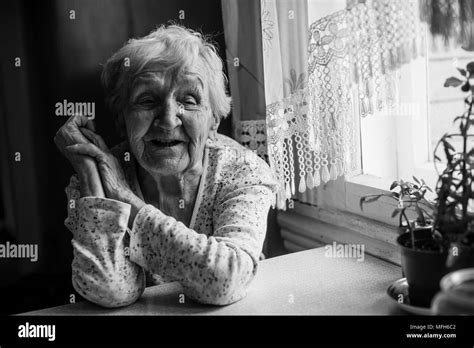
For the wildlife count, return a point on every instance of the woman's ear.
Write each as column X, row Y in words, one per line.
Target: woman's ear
column 214, row 127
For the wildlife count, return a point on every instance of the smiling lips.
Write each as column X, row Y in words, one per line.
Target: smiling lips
column 165, row 143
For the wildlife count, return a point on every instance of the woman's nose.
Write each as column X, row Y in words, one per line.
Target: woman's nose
column 167, row 116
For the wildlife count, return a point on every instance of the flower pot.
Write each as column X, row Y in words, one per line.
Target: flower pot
column 422, row 268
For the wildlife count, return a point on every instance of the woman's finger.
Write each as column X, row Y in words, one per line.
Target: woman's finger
column 78, row 121
column 90, row 150
column 90, row 136
column 95, row 138
column 90, row 125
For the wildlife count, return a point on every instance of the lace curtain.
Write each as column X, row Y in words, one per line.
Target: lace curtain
column 325, row 64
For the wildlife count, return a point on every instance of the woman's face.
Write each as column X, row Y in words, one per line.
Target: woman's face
column 168, row 121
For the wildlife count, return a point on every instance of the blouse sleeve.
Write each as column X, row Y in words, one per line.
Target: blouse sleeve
column 101, row 269
column 213, row 269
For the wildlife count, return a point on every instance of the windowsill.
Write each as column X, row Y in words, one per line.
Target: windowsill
column 338, row 217
column 371, row 182
column 307, row 226
column 380, row 211
column 335, row 215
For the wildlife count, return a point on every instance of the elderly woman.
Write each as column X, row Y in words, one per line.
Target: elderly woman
column 176, row 200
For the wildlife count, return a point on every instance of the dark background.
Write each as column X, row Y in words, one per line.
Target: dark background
column 61, row 59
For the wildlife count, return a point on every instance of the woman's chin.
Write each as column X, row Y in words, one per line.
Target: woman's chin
column 166, row 166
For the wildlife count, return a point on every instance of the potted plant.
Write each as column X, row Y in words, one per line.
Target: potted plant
column 441, row 237
column 454, row 218
column 423, row 260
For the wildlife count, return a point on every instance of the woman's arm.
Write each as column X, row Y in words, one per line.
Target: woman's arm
column 89, row 177
column 101, row 269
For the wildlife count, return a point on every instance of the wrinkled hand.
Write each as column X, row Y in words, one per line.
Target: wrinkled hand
column 112, row 176
column 85, row 167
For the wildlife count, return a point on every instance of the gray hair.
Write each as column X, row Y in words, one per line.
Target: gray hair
column 172, row 47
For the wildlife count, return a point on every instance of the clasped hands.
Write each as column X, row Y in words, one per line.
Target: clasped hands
column 99, row 171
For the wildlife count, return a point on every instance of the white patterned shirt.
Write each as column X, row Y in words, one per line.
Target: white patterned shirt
column 214, row 258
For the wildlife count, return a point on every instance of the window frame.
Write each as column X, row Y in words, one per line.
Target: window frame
column 337, row 203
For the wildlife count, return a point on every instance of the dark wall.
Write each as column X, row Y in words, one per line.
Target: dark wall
column 61, row 59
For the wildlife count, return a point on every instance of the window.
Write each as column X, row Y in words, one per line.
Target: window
column 396, row 143
column 400, row 143
column 445, row 103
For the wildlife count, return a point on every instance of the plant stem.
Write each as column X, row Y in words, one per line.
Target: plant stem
column 412, row 233
column 465, row 193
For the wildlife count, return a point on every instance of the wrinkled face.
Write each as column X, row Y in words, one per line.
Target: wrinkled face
column 168, row 121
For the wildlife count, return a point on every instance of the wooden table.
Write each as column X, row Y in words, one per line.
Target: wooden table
column 302, row 283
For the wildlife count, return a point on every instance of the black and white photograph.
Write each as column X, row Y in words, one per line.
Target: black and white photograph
column 218, row 163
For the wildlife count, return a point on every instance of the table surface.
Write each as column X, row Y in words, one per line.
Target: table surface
column 302, row 283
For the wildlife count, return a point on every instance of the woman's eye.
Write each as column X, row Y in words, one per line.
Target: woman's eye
column 190, row 100
column 146, row 102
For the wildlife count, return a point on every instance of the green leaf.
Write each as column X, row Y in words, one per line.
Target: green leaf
column 368, row 199
column 448, row 146
column 462, row 71
column 361, row 203
column 394, row 184
column 466, row 87
column 453, row 82
column 470, row 68
column 448, row 155
column 372, row 199
column 396, row 212
column 416, row 180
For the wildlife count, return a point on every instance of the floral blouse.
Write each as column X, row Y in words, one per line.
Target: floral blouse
column 214, row 258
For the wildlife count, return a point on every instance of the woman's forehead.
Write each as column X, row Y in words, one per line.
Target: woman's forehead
column 183, row 77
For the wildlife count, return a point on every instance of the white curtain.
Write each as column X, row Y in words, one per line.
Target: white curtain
column 327, row 63
column 285, row 44
column 322, row 65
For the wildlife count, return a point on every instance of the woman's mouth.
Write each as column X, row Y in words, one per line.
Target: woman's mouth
column 166, row 143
